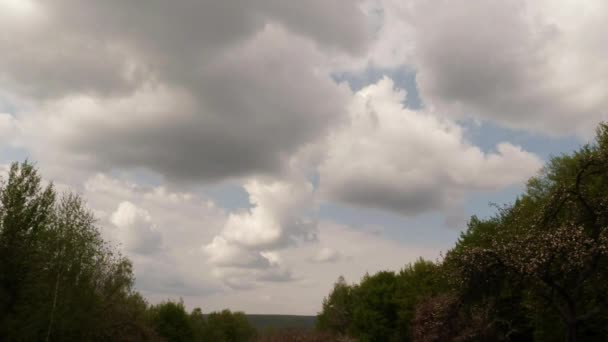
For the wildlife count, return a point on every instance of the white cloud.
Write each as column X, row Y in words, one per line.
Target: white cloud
column 160, row 230
column 281, row 216
column 277, row 218
column 393, row 158
column 533, row 65
column 223, row 253
column 135, row 231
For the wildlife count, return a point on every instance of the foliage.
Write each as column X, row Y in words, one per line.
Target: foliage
column 382, row 306
column 337, row 309
column 171, row 321
column 415, row 283
column 375, row 308
column 227, row 326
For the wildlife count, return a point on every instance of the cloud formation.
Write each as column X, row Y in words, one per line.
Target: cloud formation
column 159, row 229
column 533, row 65
column 193, row 101
column 203, row 93
column 281, row 216
column 393, row 158
column 136, row 232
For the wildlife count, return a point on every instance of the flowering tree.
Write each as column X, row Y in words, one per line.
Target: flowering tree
column 553, row 241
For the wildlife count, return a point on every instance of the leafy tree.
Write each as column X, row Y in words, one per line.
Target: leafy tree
column 227, row 326
column 336, row 315
column 198, row 324
column 375, row 309
column 171, row 321
column 25, row 211
column 552, row 242
column 58, row 279
column 415, row 283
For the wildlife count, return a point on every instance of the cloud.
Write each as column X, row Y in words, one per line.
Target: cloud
column 136, row 231
column 54, row 49
column 281, row 216
column 213, row 128
column 223, row 253
column 389, row 157
column 278, row 216
column 326, row 254
column 159, row 229
column 536, row 66
column 200, row 92
column 204, row 77
column 8, row 127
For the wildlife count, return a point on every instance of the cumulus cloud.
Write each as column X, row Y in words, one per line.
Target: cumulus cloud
column 160, row 230
column 212, row 79
column 136, row 231
column 267, row 84
column 281, row 216
column 528, row 65
column 393, row 158
column 277, row 218
column 53, row 49
column 224, row 253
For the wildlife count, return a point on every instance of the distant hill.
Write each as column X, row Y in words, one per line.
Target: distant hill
column 277, row 322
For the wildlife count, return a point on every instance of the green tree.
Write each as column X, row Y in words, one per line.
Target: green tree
column 416, row 282
column 171, row 321
column 25, row 211
column 58, row 279
column 336, row 314
column 198, row 324
column 227, row 326
column 553, row 244
column 375, row 309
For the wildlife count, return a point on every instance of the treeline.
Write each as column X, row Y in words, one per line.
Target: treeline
column 60, row 281
column 535, row 271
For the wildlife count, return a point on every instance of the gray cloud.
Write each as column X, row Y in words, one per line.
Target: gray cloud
column 241, row 83
column 527, row 65
column 108, row 47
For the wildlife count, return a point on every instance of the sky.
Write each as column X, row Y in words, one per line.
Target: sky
column 245, row 154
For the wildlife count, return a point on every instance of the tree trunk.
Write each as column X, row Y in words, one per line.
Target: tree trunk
column 48, row 332
column 572, row 333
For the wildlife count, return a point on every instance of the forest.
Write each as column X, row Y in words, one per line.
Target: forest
column 535, row 271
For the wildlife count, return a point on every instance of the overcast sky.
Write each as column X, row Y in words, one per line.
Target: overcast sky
column 244, row 154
